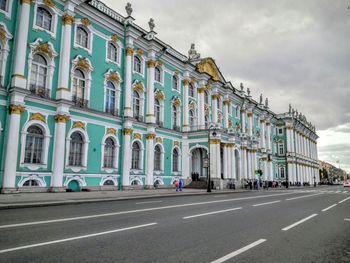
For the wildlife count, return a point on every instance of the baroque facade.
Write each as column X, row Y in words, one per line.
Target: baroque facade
column 89, row 99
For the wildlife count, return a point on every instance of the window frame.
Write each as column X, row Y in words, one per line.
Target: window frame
column 89, row 30
column 54, row 19
column 141, row 72
column 85, row 150
column 177, row 86
column 117, row 52
column 36, row 147
column 139, row 166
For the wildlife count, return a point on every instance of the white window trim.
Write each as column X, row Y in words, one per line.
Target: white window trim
column 179, row 163
column 280, row 171
column 161, row 67
column 143, row 59
column 117, row 89
column 89, row 29
column 177, row 89
column 46, row 144
column 194, row 85
column 85, row 150
column 142, row 99
column 278, row 147
column 161, row 157
column 116, row 153
column 142, row 149
column 178, row 111
column 5, row 50
column 109, row 178
column 78, row 178
column 118, row 45
column 161, row 110
column 54, row 13
column 50, row 63
column 34, row 177
column 8, row 11
column 137, row 179
column 87, row 74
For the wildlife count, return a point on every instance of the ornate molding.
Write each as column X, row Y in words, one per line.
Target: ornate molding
column 60, row 118
column 139, row 52
column 215, row 96
column 85, row 21
column 137, row 136
column 26, row 2
column 249, row 114
column 151, row 64
column 227, row 102
column 159, row 140
column 44, row 48
column 49, row 3
column 214, row 141
column 176, row 143
column 159, row 95
column 138, row 87
column 150, row 136
column 67, row 19
column 16, row 109
column 176, row 101
column 114, row 38
column 113, row 76
column 111, row 131
column 78, row 125
column 127, row 131
column 201, row 89
column 186, row 82
column 38, row 117
column 129, row 51
column 208, row 66
column 84, row 64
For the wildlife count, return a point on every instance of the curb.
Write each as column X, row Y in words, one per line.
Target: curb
column 112, row 199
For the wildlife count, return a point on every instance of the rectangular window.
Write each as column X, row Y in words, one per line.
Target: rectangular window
column 280, row 131
column 280, row 149
column 3, row 5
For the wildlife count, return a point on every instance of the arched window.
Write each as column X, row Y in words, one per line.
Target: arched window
column 175, row 160
column 43, row 18
column 31, row 183
column 157, row 111
column 174, row 117
column 109, row 153
column 82, row 38
column 38, row 76
column 136, row 105
column 191, row 117
column 34, row 145
column 108, row 182
column 157, row 158
column 3, row 5
column 112, row 52
column 137, row 64
column 79, row 84
column 136, row 156
column 110, row 98
column 157, row 74
column 191, row 90
column 206, row 97
column 175, row 82
column 76, row 149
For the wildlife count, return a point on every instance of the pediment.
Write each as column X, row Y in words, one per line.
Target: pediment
column 208, row 66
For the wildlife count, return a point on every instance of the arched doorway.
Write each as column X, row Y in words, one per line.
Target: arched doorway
column 197, row 169
column 74, row 186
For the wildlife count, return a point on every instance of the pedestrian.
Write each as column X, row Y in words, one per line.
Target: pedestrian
column 180, row 184
column 176, row 183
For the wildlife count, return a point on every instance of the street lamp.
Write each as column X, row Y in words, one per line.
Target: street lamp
column 211, row 128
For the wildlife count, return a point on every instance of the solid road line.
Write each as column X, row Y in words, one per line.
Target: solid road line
column 135, row 211
column 148, row 202
column 347, row 219
column 239, row 251
column 267, row 203
column 342, row 201
column 299, row 222
column 304, row 196
column 329, row 207
column 74, row 238
column 212, row 213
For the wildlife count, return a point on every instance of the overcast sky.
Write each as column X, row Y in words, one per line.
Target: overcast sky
column 292, row 51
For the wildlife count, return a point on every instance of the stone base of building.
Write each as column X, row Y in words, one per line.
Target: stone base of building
column 149, row 187
column 57, row 189
column 9, row 191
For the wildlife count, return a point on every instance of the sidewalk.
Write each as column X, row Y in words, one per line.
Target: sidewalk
column 25, row 200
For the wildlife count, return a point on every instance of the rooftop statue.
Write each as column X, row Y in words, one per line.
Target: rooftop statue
column 241, row 86
column 266, row 102
column 290, row 108
column 261, row 99
column 128, row 9
column 192, row 53
column 151, row 24
column 248, row 91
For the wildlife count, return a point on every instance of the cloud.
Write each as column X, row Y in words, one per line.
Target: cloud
column 290, row 51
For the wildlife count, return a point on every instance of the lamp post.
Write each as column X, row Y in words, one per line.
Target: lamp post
column 211, row 128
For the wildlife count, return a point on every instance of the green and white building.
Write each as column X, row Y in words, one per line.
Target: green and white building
column 90, row 100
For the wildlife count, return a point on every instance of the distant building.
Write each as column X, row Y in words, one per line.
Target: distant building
column 89, row 99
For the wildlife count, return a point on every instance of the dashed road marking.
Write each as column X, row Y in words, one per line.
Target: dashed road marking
column 299, row 222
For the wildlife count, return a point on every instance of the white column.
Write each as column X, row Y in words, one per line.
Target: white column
column 186, row 127
column 233, row 162
column 201, row 110
column 270, row 171
column 249, row 161
column 250, row 123
column 289, row 139
column 290, row 171
column 265, row 169
column 225, row 162
column 12, row 147
column 263, row 141
column 185, row 159
column 127, row 157
column 18, row 78
column 128, row 82
column 150, row 118
column 242, row 165
column 268, row 134
column 218, row 160
column 229, row 161
column 63, row 74
column 243, row 119
column 214, row 105
column 59, row 152
column 226, row 105
column 150, row 159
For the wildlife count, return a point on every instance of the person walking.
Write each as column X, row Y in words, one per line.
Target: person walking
column 176, row 183
column 180, row 184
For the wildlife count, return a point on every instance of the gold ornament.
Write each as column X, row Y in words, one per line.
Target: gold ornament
column 186, row 82
column 44, row 48
column 138, row 87
column 59, row 118
column 85, row 21
column 114, row 38
column 129, row 51
column 67, row 19
column 176, row 143
column 201, row 90
column 208, row 66
column 78, row 125
column 159, row 95
column 16, row 109
column 38, row 117
column 214, row 141
column 139, row 52
column 137, row 136
column 49, row 3
column 26, row 2
column 111, row 131
column 83, row 64
column 151, row 63
column 159, row 140
column 176, row 102
column 113, row 77
column 128, row 131
column 150, row 136
column 215, row 96
column 227, row 102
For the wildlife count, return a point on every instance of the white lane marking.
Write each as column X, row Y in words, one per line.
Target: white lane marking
column 267, row 203
column 337, row 192
column 239, row 251
column 299, row 222
column 347, row 219
column 73, row 238
column 148, row 202
column 329, row 207
column 304, row 196
column 136, row 211
column 330, row 191
column 212, row 213
column 342, row 201
column 344, row 192
column 219, row 195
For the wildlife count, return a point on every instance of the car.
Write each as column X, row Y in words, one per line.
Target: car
column 346, row 183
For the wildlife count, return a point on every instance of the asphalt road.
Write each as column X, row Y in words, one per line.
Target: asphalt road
column 260, row 226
